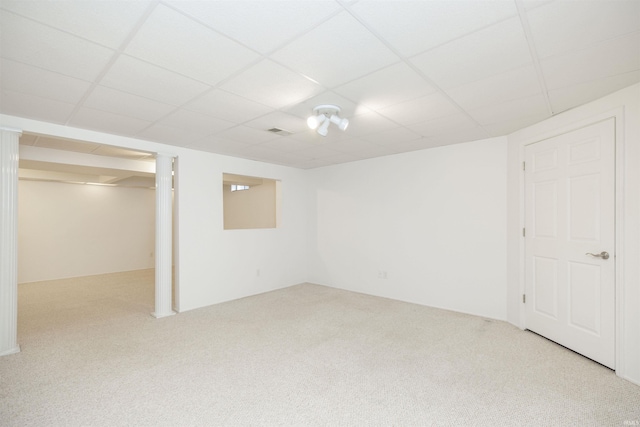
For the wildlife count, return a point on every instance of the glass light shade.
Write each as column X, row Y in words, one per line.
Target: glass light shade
column 314, row 121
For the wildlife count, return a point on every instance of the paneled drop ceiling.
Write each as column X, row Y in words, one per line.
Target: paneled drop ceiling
column 215, row 75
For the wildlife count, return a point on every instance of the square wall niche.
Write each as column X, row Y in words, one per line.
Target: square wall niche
column 250, row 202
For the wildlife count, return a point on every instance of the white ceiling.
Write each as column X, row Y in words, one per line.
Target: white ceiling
column 215, row 75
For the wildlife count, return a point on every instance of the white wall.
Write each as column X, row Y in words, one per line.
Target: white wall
column 70, row 230
column 433, row 220
column 218, row 265
column 625, row 106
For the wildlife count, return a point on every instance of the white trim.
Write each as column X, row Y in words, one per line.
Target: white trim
column 176, row 234
column 618, row 115
column 11, row 129
column 9, row 158
column 13, row 350
column 620, row 142
column 164, row 244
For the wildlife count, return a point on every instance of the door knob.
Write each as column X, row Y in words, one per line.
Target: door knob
column 603, row 255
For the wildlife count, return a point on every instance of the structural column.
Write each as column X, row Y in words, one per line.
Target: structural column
column 9, row 139
column 164, row 180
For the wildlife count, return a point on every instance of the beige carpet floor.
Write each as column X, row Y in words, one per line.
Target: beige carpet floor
column 306, row 355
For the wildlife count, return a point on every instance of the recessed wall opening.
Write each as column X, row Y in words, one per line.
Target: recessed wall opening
column 250, row 202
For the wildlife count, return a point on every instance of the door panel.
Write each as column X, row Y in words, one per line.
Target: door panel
column 569, row 202
column 546, row 286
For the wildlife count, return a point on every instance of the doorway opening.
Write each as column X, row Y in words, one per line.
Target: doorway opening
column 87, row 211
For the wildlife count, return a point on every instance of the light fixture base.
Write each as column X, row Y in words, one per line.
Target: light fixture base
column 326, row 109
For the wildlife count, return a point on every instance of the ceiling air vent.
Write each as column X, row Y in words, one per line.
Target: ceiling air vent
column 280, row 131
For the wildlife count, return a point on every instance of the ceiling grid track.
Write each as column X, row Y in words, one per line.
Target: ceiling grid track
column 112, row 60
column 408, row 62
column 524, row 21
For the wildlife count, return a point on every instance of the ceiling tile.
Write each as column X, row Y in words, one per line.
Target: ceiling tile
column 369, row 123
column 177, row 43
column 412, row 27
column 461, row 135
column 353, row 145
column 287, row 144
column 341, row 40
column 532, row 4
column 313, row 138
column 271, row 84
column 386, row 87
column 139, row 78
column 34, row 107
column 524, row 107
column 246, row 135
column 348, row 109
column 616, row 56
column 392, row 137
column 508, row 126
column 169, row 135
column 264, row 154
column 227, row 106
column 218, row 145
column 193, row 122
column 36, row 81
column 513, row 84
column 326, row 161
column 440, row 140
column 279, row 120
column 260, row 25
column 122, row 103
column 571, row 96
column 421, row 109
column 105, row 22
column 562, row 26
column 457, row 137
column 35, row 44
column 318, row 152
column 416, row 144
column 88, row 118
column 443, row 125
column 492, row 50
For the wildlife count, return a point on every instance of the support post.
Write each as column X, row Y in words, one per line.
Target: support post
column 164, row 180
column 9, row 140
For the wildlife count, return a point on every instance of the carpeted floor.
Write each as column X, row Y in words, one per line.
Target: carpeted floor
column 306, row 355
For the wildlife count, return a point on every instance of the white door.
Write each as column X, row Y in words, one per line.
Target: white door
column 570, row 213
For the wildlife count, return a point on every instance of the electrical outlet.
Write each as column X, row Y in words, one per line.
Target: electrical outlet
column 382, row 274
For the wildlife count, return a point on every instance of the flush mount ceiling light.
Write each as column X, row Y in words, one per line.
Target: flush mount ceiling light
column 325, row 115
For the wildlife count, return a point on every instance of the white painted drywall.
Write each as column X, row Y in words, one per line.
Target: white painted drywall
column 433, row 220
column 71, row 230
column 625, row 106
column 218, row 265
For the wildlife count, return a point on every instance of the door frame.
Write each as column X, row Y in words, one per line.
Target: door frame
column 619, row 259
